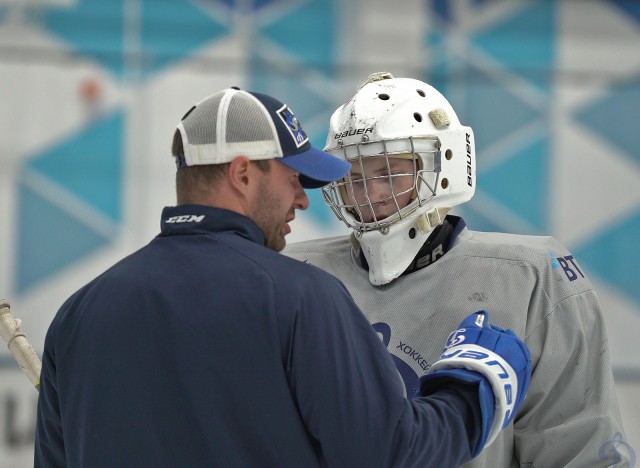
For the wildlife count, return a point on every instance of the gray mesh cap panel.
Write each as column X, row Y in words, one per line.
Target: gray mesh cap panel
column 200, row 125
column 243, row 109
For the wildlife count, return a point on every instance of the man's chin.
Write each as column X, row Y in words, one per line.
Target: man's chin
column 277, row 244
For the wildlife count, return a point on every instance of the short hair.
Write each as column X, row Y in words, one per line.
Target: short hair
column 192, row 180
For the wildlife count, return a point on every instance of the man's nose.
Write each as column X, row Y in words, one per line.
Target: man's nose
column 301, row 201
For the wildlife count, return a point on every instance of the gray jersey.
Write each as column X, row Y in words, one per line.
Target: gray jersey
column 531, row 285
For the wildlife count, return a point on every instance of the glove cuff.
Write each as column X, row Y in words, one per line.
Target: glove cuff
column 501, row 377
column 430, row 382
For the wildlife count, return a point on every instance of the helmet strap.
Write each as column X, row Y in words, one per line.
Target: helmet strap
column 355, row 243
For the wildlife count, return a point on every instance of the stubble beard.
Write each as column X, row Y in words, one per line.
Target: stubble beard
column 267, row 218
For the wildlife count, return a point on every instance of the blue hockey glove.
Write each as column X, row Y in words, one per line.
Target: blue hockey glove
column 494, row 358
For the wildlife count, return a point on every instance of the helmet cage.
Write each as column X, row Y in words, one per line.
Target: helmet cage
column 425, row 153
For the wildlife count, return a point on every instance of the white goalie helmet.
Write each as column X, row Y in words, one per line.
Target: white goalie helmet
column 412, row 161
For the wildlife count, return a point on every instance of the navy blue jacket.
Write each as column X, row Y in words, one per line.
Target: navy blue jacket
column 204, row 348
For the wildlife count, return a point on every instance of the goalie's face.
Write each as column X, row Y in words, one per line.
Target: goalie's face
column 378, row 187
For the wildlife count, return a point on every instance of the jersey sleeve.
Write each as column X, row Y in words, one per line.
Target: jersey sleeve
column 570, row 416
column 351, row 398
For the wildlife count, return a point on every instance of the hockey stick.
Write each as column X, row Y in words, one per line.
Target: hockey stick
column 18, row 344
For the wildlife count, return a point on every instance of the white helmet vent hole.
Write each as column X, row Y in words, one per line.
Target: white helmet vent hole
column 412, row 233
column 448, row 155
column 445, row 183
column 417, row 116
column 420, row 92
column 384, row 97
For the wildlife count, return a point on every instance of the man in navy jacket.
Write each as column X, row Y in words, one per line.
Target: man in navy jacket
column 207, row 347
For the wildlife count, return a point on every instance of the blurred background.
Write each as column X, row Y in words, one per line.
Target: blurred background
column 91, row 91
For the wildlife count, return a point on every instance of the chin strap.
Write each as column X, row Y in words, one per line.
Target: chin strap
column 355, row 243
column 430, row 220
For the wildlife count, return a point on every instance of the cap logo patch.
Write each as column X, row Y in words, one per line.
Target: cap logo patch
column 293, row 125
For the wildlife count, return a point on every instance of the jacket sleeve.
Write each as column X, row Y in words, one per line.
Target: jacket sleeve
column 571, row 417
column 49, row 444
column 351, row 397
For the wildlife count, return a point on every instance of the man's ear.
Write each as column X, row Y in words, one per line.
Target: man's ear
column 240, row 174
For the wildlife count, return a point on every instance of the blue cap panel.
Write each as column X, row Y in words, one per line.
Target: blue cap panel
column 292, row 136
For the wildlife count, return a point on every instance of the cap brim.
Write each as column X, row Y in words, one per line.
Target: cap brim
column 316, row 167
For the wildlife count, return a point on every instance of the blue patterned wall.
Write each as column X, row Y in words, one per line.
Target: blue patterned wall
column 505, row 68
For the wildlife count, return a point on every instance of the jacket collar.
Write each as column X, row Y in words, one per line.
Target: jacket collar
column 201, row 219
